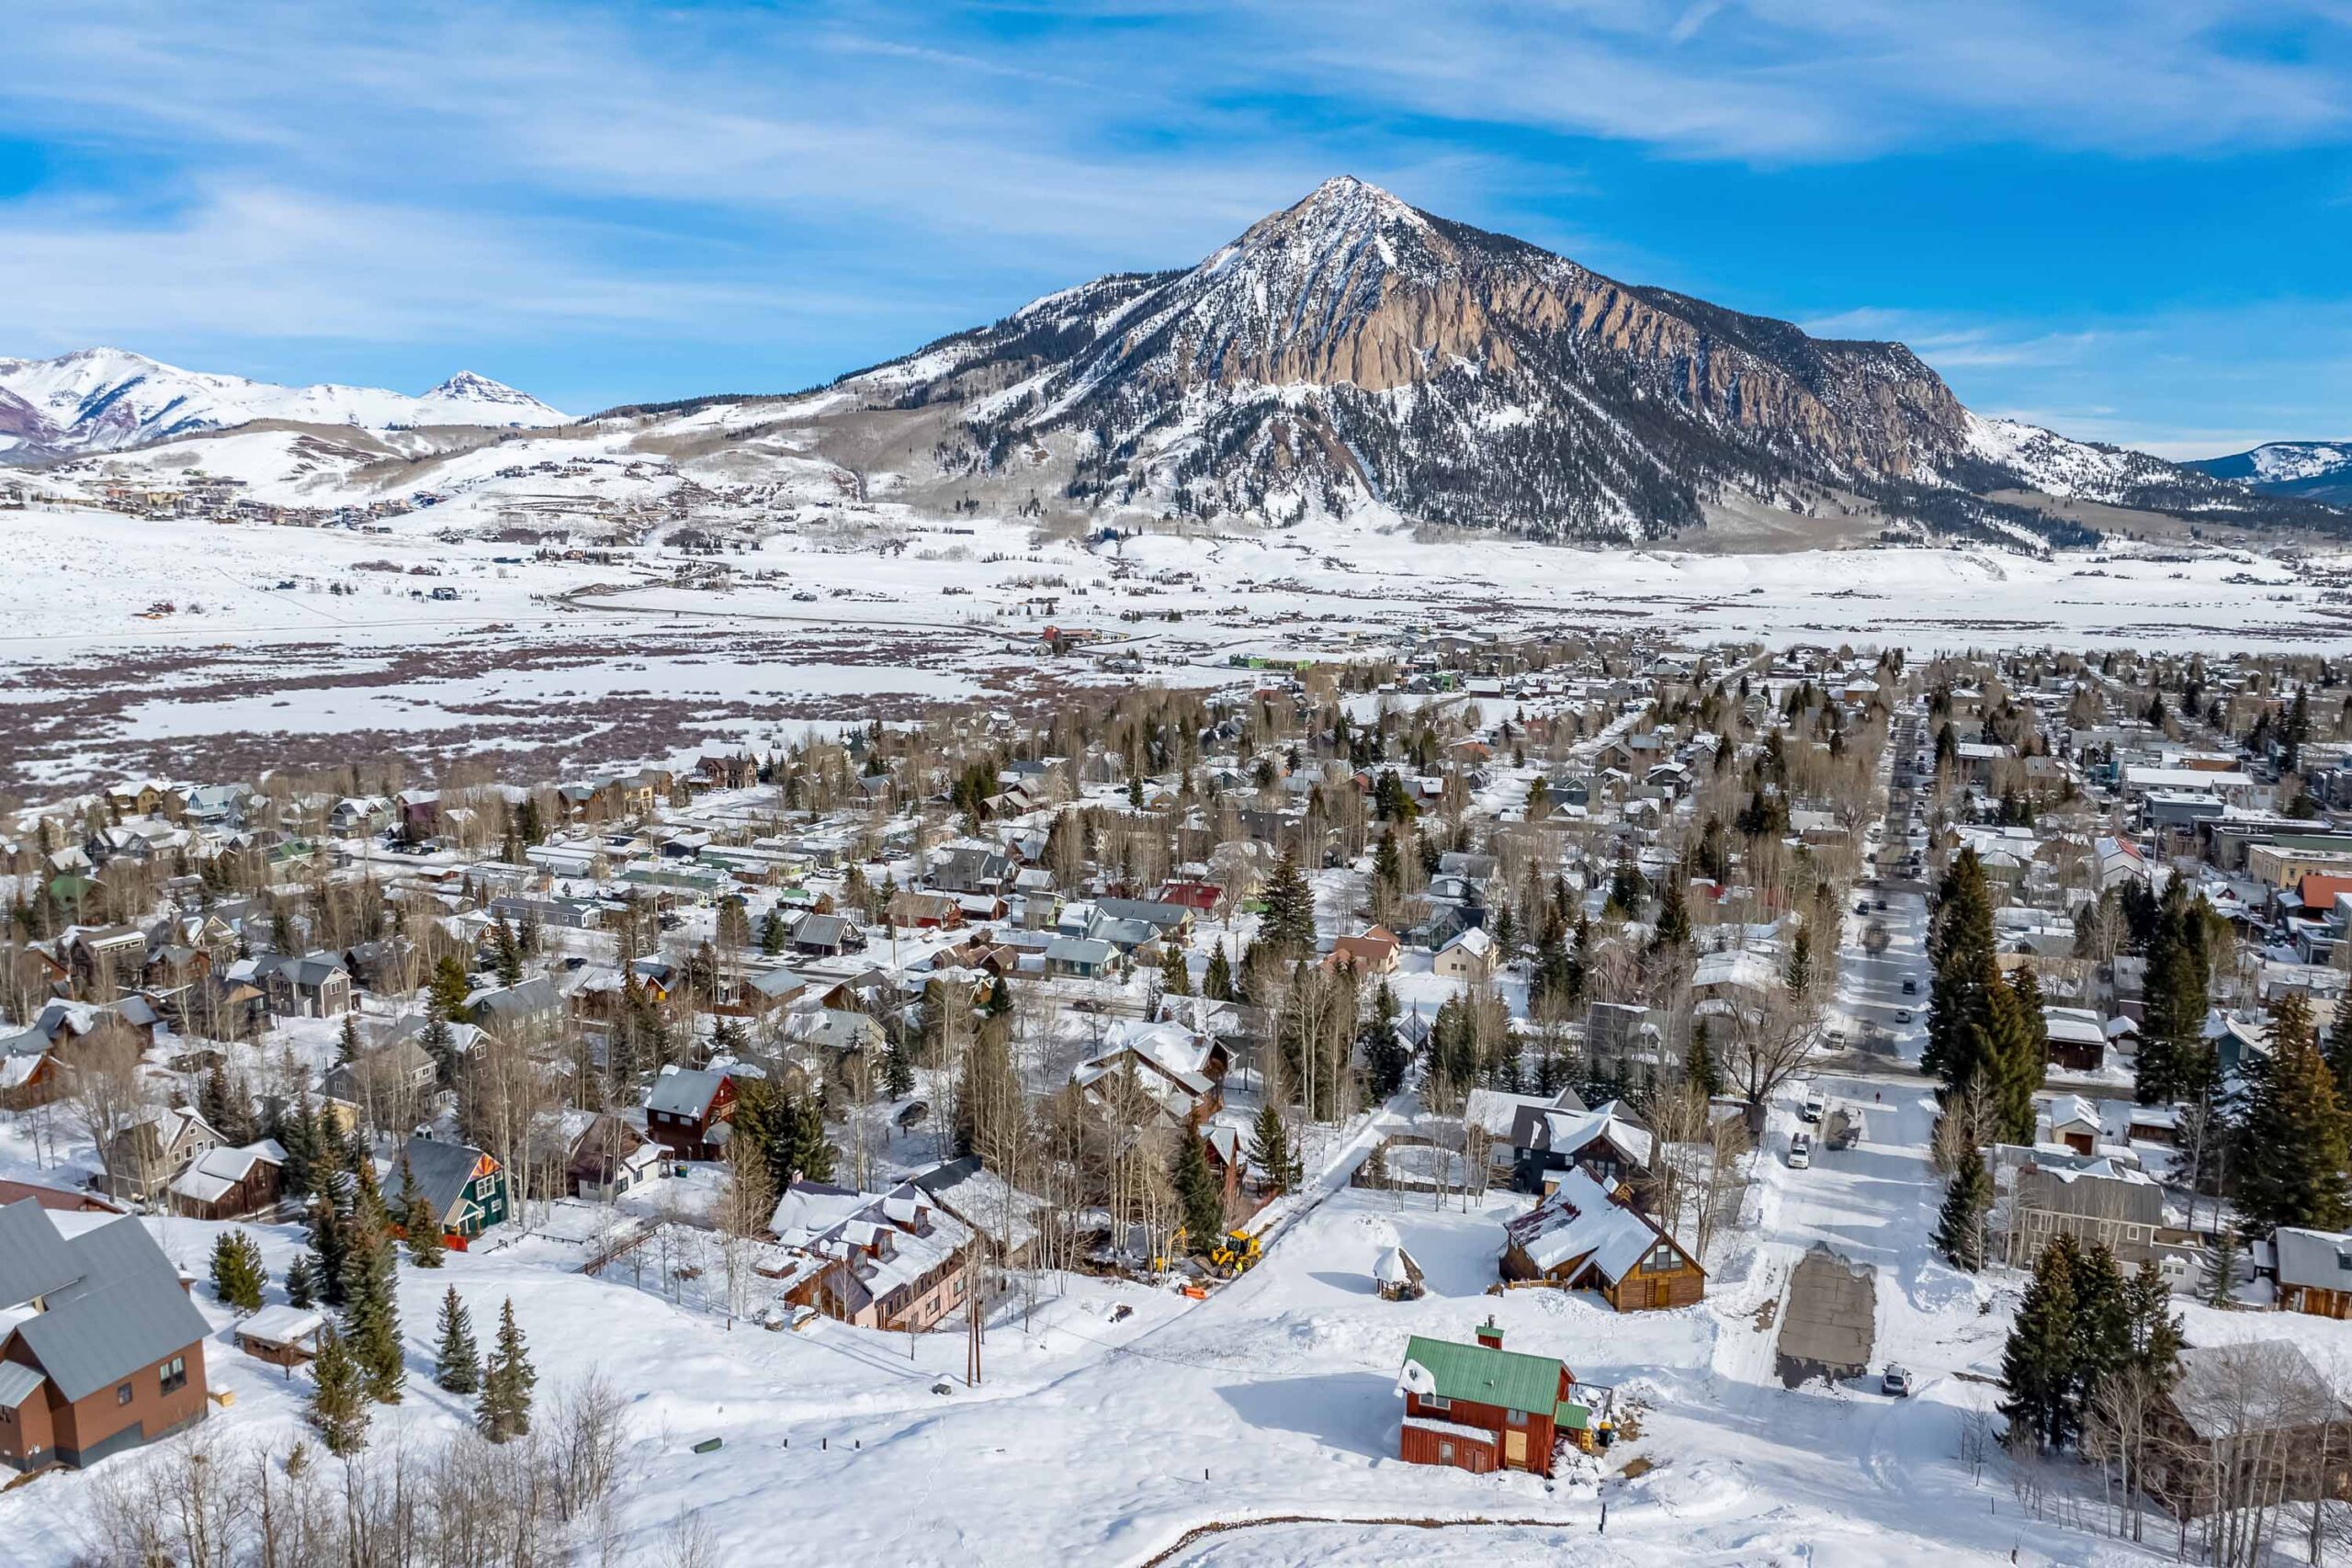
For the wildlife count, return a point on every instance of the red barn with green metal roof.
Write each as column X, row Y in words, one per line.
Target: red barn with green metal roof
column 1480, row 1407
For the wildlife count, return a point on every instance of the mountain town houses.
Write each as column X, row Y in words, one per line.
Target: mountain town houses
column 869, row 1025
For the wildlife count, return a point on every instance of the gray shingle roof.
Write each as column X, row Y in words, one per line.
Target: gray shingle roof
column 34, row 1259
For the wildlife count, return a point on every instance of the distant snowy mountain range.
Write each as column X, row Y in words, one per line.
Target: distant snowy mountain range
column 2316, row 470
column 1349, row 356
column 106, row 398
column 1354, row 351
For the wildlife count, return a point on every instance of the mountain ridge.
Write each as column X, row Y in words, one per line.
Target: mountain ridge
column 1352, row 350
column 105, row 398
column 2311, row 470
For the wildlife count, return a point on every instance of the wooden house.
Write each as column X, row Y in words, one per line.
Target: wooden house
column 2314, row 1271
column 466, row 1187
column 100, row 1349
column 2250, row 1418
column 1609, row 1142
column 1480, row 1407
column 1372, row 953
column 607, row 1157
column 1468, row 955
column 688, row 1110
column 227, row 1184
column 1147, row 1069
column 1580, row 1237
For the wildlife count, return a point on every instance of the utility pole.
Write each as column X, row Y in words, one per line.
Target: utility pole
column 971, row 1324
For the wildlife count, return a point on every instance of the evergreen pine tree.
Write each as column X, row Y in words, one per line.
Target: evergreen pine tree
column 1800, row 975
column 2152, row 1329
column 1673, row 929
column 772, row 934
column 1271, row 1149
column 1217, row 985
column 503, row 1411
column 1288, row 925
column 508, row 961
column 419, row 1223
column 347, row 1041
column 328, row 1230
column 2009, row 1062
column 238, row 1277
column 898, row 1073
column 456, row 1362
column 1699, row 1065
column 2292, row 1167
column 339, row 1406
column 1384, row 1055
column 812, row 1151
column 2037, row 1367
column 2338, row 1052
column 1960, row 951
column 302, row 1279
column 295, row 1130
column 2219, row 1287
column 1197, row 1192
column 370, row 1308
column 1960, row 1228
column 213, row 1098
column 1175, row 974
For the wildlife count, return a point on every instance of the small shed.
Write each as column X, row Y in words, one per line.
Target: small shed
column 283, row 1335
column 1396, row 1275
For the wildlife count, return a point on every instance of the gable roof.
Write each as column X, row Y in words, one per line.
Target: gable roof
column 126, row 1311
column 1580, row 1220
column 1512, row 1379
column 34, row 1259
column 683, row 1091
column 442, row 1170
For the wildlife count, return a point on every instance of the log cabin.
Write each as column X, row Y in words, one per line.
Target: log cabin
column 1581, row 1236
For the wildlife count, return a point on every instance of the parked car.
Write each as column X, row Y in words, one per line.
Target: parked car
column 1895, row 1382
column 1801, row 1152
column 1813, row 1105
column 1902, row 1015
column 1911, row 988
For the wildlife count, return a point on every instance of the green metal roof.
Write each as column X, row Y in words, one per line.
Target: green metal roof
column 1571, row 1417
column 1507, row 1377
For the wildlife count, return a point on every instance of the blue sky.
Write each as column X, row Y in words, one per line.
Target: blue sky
column 2129, row 222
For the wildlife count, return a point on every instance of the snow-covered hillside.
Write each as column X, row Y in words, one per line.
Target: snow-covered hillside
column 106, row 398
column 2316, row 470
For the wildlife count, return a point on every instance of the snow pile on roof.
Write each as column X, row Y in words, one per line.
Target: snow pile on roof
column 1580, row 1219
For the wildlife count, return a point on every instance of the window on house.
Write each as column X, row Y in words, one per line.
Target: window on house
column 174, row 1377
column 1436, row 1402
column 1662, row 1259
column 1445, row 1453
column 486, row 1187
column 123, row 1395
column 1516, row 1417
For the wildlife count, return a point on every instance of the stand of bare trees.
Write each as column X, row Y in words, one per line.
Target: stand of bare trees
column 204, row 1501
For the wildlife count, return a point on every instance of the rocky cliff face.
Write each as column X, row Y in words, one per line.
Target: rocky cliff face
column 1352, row 352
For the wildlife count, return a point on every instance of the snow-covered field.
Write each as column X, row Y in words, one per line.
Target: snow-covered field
column 124, row 640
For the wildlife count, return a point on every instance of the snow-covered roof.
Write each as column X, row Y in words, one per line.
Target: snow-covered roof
column 1579, row 1219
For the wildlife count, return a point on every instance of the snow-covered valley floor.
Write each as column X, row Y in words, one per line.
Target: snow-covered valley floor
column 186, row 648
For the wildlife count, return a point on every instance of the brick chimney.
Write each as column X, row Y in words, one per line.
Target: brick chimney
column 1491, row 1335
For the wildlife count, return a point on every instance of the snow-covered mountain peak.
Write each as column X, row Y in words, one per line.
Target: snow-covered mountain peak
column 107, row 399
